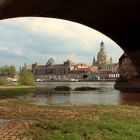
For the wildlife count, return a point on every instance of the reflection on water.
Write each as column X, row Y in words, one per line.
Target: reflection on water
column 130, row 98
column 73, row 85
column 106, row 95
column 76, row 98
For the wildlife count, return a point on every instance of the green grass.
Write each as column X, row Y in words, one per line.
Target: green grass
column 4, row 82
column 111, row 125
column 87, row 130
column 15, row 91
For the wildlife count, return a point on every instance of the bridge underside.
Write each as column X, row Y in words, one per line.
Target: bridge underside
column 118, row 19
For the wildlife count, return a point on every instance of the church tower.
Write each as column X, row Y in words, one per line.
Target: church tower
column 94, row 61
column 102, row 57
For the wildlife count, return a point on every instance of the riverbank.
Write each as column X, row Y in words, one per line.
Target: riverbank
column 16, row 87
column 11, row 92
column 32, row 122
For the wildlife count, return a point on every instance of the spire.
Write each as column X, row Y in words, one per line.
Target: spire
column 110, row 60
column 25, row 64
column 102, row 43
column 102, row 47
column 94, row 60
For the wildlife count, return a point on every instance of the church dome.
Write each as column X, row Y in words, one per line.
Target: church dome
column 103, row 57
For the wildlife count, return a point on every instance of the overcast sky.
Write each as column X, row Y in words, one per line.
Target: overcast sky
column 37, row 39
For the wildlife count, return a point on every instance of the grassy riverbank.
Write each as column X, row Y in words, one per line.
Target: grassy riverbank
column 16, row 87
column 15, row 91
column 95, row 122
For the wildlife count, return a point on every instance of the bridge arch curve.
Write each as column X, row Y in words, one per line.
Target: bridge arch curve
column 117, row 19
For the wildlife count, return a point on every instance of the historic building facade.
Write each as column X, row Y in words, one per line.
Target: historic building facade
column 109, row 68
column 68, row 67
column 104, row 61
column 51, row 68
column 106, row 68
column 102, row 66
column 102, row 57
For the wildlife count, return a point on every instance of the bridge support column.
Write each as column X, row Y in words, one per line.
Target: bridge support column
column 129, row 76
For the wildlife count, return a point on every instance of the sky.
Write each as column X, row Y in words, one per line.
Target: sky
column 38, row 39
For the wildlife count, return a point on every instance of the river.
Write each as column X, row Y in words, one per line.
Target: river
column 106, row 95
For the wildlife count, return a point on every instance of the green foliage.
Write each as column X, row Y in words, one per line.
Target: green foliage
column 62, row 88
column 56, row 130
column 7, row 71
column 3, row 82
column 26, row 78
column 16, row 91
column 85, row 88
column 81, row 129
column 111, row 125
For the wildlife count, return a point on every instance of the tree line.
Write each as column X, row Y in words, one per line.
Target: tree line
column 25, row 76
column 7, row 71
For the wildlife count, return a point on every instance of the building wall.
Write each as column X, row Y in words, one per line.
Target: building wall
column 109, row 68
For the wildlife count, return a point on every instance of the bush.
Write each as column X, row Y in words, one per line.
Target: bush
column 3, row 82
column 26, row 78
column 7, row 71
column 85, row 88
column 62, row 88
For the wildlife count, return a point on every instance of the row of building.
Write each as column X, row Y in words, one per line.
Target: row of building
column 103, row 65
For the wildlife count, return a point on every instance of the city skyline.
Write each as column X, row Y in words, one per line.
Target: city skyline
column 38, row 39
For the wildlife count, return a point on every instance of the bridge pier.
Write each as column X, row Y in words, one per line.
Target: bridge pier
column 129, row 76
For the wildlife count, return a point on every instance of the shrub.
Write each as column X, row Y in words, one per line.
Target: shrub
column 85, row 88
column 26, row 78
column 3, row 82
column 62, row 88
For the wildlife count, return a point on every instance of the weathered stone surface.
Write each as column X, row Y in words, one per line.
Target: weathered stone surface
column 129, row 77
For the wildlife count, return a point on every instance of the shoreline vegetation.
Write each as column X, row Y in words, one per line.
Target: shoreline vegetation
column 57, row 88
column 16, row 87
column 66, row 88
column 14, row 91
column 20, row 90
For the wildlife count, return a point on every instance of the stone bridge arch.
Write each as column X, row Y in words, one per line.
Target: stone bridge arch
column 117, row 19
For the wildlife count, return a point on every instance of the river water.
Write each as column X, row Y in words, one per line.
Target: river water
column 106, row 95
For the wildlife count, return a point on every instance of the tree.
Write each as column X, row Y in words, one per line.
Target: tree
column 12, row 70
column 7, row 71
column 26, row 78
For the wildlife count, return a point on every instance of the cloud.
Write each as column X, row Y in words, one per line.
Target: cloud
column 17, row 51
column 12, row 51
column 3, row 48
column 37, row 39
